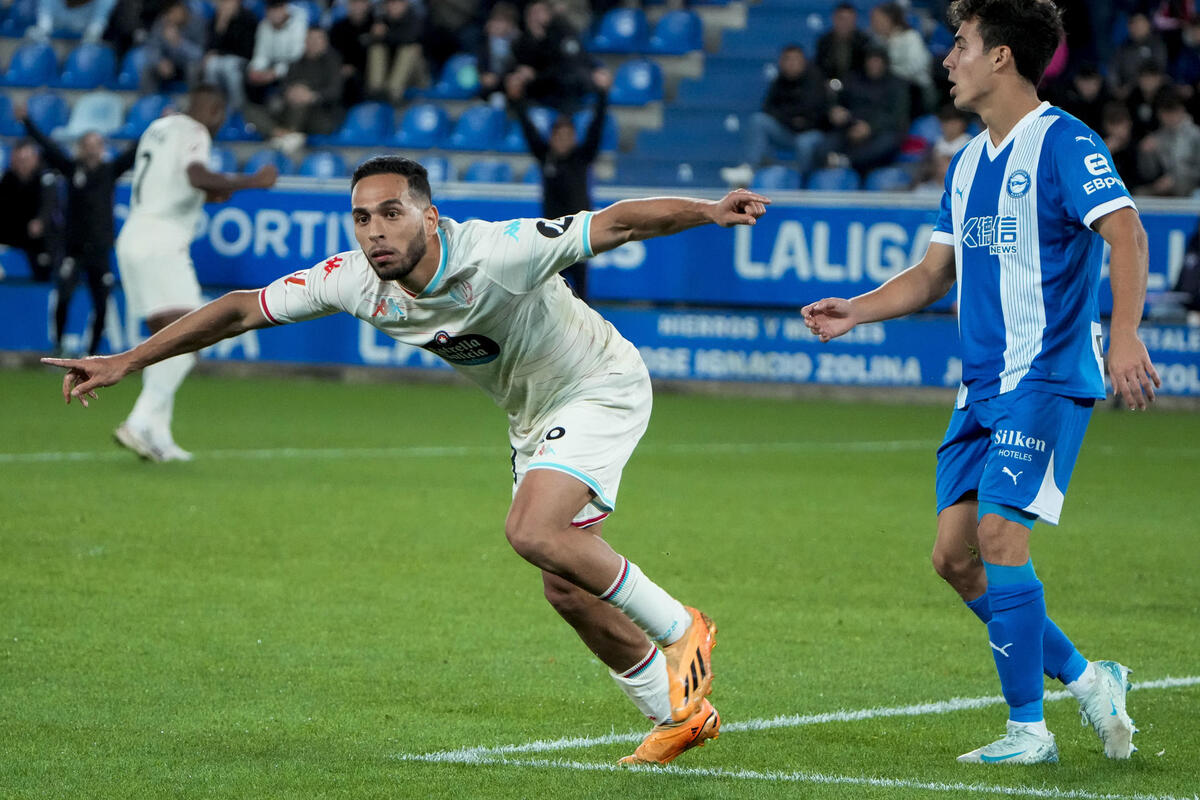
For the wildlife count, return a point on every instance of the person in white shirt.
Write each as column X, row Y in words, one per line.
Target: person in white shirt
column 171, row 182
column 278, row 43
column 487, row 298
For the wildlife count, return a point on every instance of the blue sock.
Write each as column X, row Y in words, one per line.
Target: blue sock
column 1060, row 659
column 1015, row 633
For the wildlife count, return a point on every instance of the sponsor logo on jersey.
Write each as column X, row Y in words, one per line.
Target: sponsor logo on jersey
column 388, row 307
column 512, row 229
column 1097, row 164
column 470, row 349
column 553, row 228
column 331, row 264
column 998, row 234
column 1099, row 184
column 1018, row 184
column 1019, row 440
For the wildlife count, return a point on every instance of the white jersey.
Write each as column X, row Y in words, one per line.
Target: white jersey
column 495, row 310
column 161, row 190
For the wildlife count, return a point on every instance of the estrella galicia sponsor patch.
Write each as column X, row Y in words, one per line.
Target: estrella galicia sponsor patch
column 553, row 228
column 469, row 350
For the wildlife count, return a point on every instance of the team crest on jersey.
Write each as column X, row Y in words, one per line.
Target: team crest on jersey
column 470, row 349
column 1018, row 183
column 462, row 294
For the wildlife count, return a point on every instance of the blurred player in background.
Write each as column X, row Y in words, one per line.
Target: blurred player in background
column 1022, row 207
column 486, row 297
column 171, row 182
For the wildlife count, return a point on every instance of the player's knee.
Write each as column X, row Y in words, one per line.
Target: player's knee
column 530, row 541
column 568, row 600
column 959, row 569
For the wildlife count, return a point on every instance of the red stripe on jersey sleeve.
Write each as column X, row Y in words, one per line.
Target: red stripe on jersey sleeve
column 262, row 302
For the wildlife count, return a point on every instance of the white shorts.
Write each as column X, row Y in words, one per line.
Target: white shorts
column 156, row 269
column 589, row 438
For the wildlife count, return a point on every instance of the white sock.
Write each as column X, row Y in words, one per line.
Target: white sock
column 1084, row 683
column 1038, row 727
column 646, row 686
column 661, row 616
column 154, row 406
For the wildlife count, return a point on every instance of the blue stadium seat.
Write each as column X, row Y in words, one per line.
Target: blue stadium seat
column 366, row 124
column 677, row 33
column 926, row 127
column 101, row 112
column 488, row 170
column 144, row 110
column 439, row 168
column 236, row 129
column 88, row 67
column 480, row 127
column 3, row 157
column 636, row 83
column 129, row 77
column 693, row 135
column 622, row 30
column 8, row 123
column 47, row 110
column 202, row 9
column 33, row 64
column 776, row 177
column 888, row 179
column 18, row 18
column 514, row 139
column 459, row 79
column 15, row 263
column 740, row 92
column 324, row 164
column 833, row 179
column 269, row 156
column 222, row 159
column 610, row 135
column 668, row 172
column 423, row 126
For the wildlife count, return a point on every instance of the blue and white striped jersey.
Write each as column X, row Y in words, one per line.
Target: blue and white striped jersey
column 1019, row 217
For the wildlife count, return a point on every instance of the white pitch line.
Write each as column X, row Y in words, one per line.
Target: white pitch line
column 473, row 754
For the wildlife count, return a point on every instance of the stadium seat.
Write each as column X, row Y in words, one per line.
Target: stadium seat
column 17, row 18
column 269, row 156
column 236, row 129
column 201, row 9
column 610, row 135
column 926, row 127
column 439, row 168
column 622, row 30
column 366, row 124
column 677, row 33
column 129, row 77
column 3, row 157
column 776, row 177
column 636, row 83
column 833, row 179
column 423, row 126
column 32, row 64
column 14, row 263
column 95, row 111
column 514, row 140
column 144, row 110
column 667, row 172
column 459, row 79
column 222, row 159
column 8, row 123
column 480, row 127
column 88, row 67
column 47, row 110
column 324, row 164
column 488, row 170
column 888, row 179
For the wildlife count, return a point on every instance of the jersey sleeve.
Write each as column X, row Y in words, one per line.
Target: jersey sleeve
column 303, row 295
column 523, row 253
column 196, row 146
column 943, row 228
column 1084, row 169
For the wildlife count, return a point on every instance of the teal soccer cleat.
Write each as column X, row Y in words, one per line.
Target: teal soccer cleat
column 1103, row 707
column 1019, row 746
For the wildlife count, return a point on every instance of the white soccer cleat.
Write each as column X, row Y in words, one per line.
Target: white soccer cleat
column 138, row 441
column 1019, row 746
column 1103, row 707
column 173, row 452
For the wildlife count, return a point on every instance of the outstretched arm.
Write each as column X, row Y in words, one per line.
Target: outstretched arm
column 632, row 220
column 1133, row 376
column 918, row 286
column 219, row 186
column 236, row 312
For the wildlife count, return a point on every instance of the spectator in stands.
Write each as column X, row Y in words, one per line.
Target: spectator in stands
column 1143, row 46
column 86, row 17
column 310, row 98
column 494, row 58
column 1170, row 18
column 953, row 137
column 564, row 159
column 350, row 36
column 174, row 48
column 91, row 182
column 908, row 54
column 1169, row 158
column 278, row 43
column 1185, row 69
column 394, row 59
column 872, row 119
column 841, row 52
column 1139, row 99
column 551, row 59
column 451, row 27
column 1085, row 96
column 1116, row 127
column 230, row 46
column 28, row 204
column 794, row 115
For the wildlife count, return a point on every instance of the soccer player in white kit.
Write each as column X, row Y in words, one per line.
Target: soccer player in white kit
column 171, row 182
column 487, row 298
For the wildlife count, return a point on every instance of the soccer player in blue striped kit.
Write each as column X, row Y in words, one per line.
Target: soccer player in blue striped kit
column 1027, row 208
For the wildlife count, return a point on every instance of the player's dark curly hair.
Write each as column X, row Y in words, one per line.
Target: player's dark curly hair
column 412, row 171
column 1032, row 29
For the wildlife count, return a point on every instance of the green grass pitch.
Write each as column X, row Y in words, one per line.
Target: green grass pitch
column 327, row 589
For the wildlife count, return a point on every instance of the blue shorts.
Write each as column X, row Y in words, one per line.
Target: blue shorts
column 1016, row 449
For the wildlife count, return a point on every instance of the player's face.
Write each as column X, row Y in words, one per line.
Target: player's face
column 392, row 230
column 969, row 65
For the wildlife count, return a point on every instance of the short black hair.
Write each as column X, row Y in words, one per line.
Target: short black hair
column 1032, row 29
column 209, row 91
column 895, row 14
column 412, row 171
column 792, row 47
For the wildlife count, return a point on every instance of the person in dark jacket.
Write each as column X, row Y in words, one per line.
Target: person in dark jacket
column 88, row 237
column 564, row 159
column 310, row 102
column 230, row 46
column 841, row 52
column 28, row 204
column 551, row 60
column 794, row 115
column 350, row 37
column 873, row 117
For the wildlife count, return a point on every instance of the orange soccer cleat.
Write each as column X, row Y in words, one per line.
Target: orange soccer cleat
column 669, row 739
column 689, row 666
